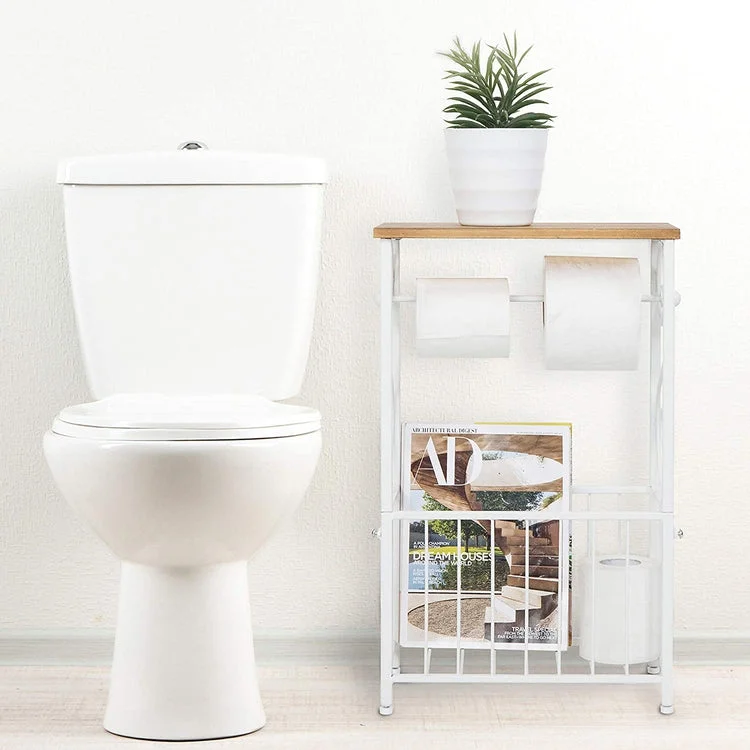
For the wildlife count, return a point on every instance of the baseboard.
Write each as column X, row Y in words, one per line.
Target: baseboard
column 52, row 647
column 717, row 648
column 93, row 647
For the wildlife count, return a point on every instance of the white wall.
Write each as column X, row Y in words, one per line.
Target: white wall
column 652, row 107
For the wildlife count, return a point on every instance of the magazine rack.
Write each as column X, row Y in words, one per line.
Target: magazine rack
column 659, row 493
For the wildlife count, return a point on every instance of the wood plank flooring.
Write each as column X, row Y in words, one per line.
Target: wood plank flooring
column 329, row 707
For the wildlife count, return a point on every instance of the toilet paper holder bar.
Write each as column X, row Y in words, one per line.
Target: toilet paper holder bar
column 647, row 298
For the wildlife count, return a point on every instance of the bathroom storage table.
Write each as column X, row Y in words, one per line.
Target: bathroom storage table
column 662, row 299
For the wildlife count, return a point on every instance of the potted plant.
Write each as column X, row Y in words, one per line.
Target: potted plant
column 495, row 139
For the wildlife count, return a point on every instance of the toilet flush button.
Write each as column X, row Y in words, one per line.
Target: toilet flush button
column 192, row 146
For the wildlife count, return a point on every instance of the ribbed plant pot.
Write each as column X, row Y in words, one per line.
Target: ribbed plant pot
column 496, row 173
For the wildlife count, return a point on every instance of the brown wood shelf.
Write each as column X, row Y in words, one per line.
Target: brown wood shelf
column 557, row 231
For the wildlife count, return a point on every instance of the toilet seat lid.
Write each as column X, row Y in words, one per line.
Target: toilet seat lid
column 143, row 416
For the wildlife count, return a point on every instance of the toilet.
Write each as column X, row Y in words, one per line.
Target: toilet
column 194, row 276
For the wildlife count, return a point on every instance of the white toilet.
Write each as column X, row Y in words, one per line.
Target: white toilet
column 194, row 276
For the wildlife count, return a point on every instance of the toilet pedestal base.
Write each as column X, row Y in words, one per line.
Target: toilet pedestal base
column 184, row 667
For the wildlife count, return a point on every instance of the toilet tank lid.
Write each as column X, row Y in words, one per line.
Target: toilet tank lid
column 193, row 167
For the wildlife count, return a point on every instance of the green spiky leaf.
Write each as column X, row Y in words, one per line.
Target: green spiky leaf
column 495, row 93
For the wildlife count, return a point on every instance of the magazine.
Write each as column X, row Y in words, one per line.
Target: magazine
column 448, row 575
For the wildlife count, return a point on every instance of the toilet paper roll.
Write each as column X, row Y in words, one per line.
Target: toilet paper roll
column 603, row 637
column 592, row 313
column 468, row 317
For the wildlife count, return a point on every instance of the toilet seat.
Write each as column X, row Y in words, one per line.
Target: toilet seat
column 149, row 416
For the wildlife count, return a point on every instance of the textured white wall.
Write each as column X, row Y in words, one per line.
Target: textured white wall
column 652, row 119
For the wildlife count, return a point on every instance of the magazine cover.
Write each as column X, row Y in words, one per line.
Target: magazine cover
column 491, row 467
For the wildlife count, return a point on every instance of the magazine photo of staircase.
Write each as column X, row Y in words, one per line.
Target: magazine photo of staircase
column 514, row 600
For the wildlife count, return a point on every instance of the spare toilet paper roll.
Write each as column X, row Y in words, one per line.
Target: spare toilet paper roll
column 609, row 605
column 467, row 317
column 592, row 313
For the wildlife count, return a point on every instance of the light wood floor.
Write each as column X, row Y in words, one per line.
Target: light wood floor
column 330, row 707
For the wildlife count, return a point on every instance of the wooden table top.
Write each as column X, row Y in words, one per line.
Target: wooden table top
column 554, row 231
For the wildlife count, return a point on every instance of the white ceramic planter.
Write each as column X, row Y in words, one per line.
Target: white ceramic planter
column 496, row 173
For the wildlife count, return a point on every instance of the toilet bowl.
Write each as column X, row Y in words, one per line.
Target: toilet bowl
column 194, row 276
column 184, row 491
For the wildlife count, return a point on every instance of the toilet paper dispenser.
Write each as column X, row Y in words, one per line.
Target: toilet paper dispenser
column 591, row 312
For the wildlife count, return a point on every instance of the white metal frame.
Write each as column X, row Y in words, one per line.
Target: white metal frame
column 662, row 299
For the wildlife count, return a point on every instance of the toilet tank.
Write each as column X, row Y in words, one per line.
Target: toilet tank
column 194, row 271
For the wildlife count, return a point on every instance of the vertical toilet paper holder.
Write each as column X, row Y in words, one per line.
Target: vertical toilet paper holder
column 660, row 488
